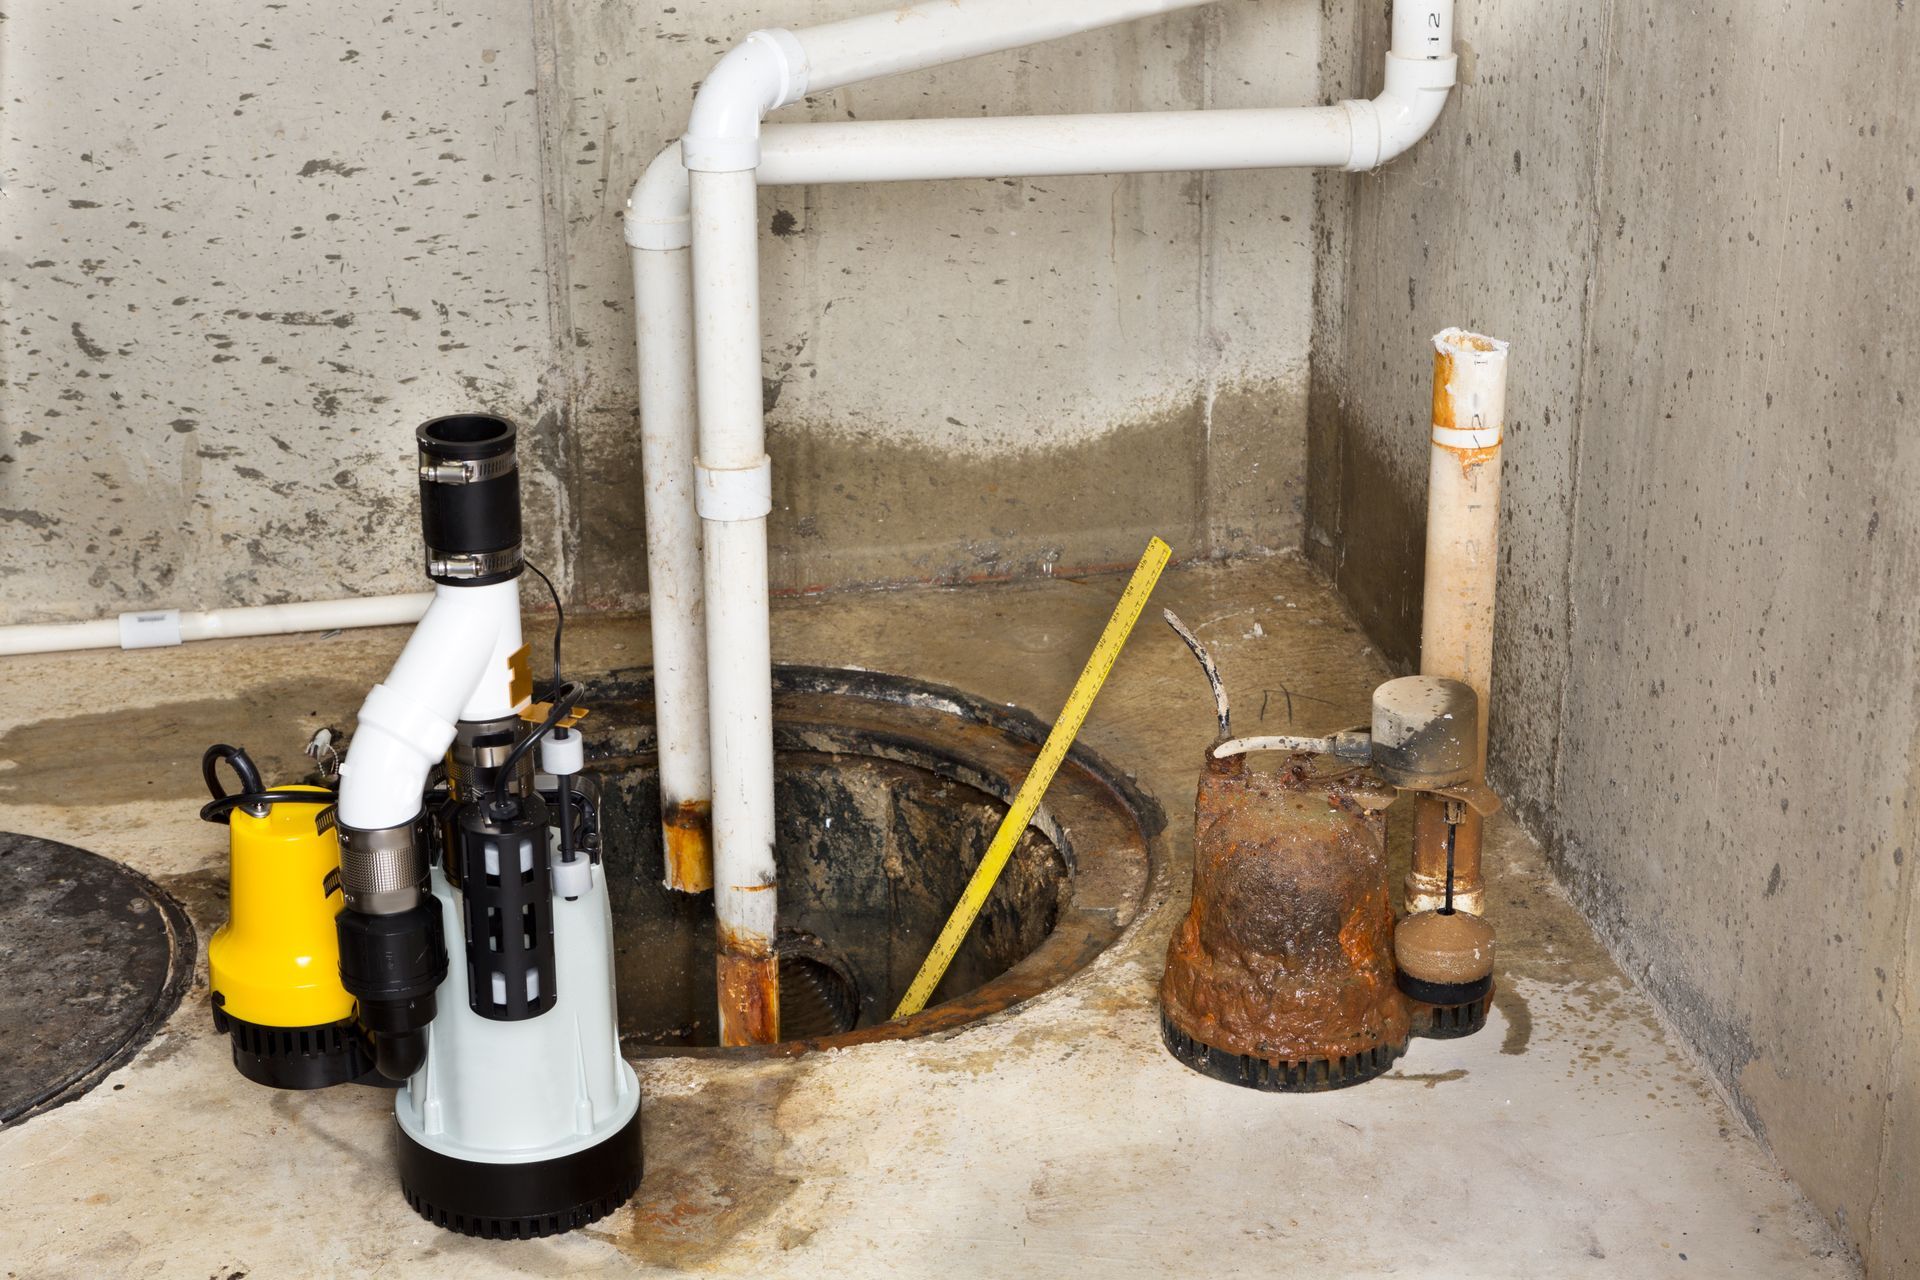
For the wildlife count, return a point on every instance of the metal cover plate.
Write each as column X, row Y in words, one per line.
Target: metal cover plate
column 96, row 958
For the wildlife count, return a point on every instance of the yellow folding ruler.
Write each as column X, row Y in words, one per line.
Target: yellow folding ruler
column 1039, row 778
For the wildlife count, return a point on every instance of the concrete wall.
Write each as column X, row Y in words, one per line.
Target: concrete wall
column 1697, row 225
column 247, row 249
column 242, row 250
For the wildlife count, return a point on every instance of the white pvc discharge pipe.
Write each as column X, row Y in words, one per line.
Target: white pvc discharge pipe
column 159, row 628
column 726, row 155
column 456, row 666
column 663, row 304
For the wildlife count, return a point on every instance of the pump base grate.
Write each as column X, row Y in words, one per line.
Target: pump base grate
column 1314, row 1075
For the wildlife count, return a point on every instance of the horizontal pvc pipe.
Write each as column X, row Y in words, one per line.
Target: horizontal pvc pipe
column 770, row 69
column 941, row 31
column 1049, row 146
column 158, row 628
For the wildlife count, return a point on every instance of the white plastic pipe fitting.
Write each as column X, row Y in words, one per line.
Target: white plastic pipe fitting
column 455, row 667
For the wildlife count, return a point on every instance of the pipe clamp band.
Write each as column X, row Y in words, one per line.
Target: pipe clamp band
column 154, row 629
column 1460, row 438
column 443, row 565
column 731, row 494
column 438, row 470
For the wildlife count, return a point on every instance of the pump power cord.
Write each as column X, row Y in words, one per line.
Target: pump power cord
column 253, row 794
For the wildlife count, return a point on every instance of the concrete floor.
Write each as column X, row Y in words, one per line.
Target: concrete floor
column 1572, row 1137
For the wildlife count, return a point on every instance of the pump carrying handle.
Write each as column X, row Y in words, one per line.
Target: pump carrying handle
column 253, row 793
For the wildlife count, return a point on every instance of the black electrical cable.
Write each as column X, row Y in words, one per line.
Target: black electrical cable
column 234, row 758
column 562, row 699
column 252, row 791
column 559, row 618
column 561, row 694
column 1452, row 827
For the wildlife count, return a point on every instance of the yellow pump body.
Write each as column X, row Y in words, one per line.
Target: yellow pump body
column 275, row 965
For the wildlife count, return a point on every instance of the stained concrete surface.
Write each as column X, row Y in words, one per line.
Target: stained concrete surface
column 1696, row 223
column 245, row 251
column 245, row 254
column 1573, row 1137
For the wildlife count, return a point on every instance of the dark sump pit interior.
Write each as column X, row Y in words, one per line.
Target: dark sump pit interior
column 888, row 791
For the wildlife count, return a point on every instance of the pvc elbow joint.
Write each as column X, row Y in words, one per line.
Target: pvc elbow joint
column 396, row 744
column 657, row 215
column 1415, row 92
column 765, row 71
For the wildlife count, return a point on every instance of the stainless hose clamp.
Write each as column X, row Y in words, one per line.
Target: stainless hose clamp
column 437, row 470
column 473, row 564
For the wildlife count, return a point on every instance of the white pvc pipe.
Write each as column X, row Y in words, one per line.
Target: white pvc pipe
column 1463, row 513
column 157, row 628
column 1422, row 29
column 942, row 31
column 455, row 667
column 733, row 497
column 773, row 68
column 657, row 231
column 1053, row 146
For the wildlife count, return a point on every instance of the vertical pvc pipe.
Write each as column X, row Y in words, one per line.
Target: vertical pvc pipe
column 1422, row 29
column 663, row 293
column 733, row 494
column 1456, row 630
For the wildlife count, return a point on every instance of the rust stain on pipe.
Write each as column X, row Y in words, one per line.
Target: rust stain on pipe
column 687, row 831
column 749, row 983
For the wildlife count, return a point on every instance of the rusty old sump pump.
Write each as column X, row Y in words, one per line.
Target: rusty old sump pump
column 1290, row 971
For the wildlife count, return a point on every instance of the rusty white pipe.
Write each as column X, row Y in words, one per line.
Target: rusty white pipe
column 1456, row 629
column 733, row 495
column 659, row 239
